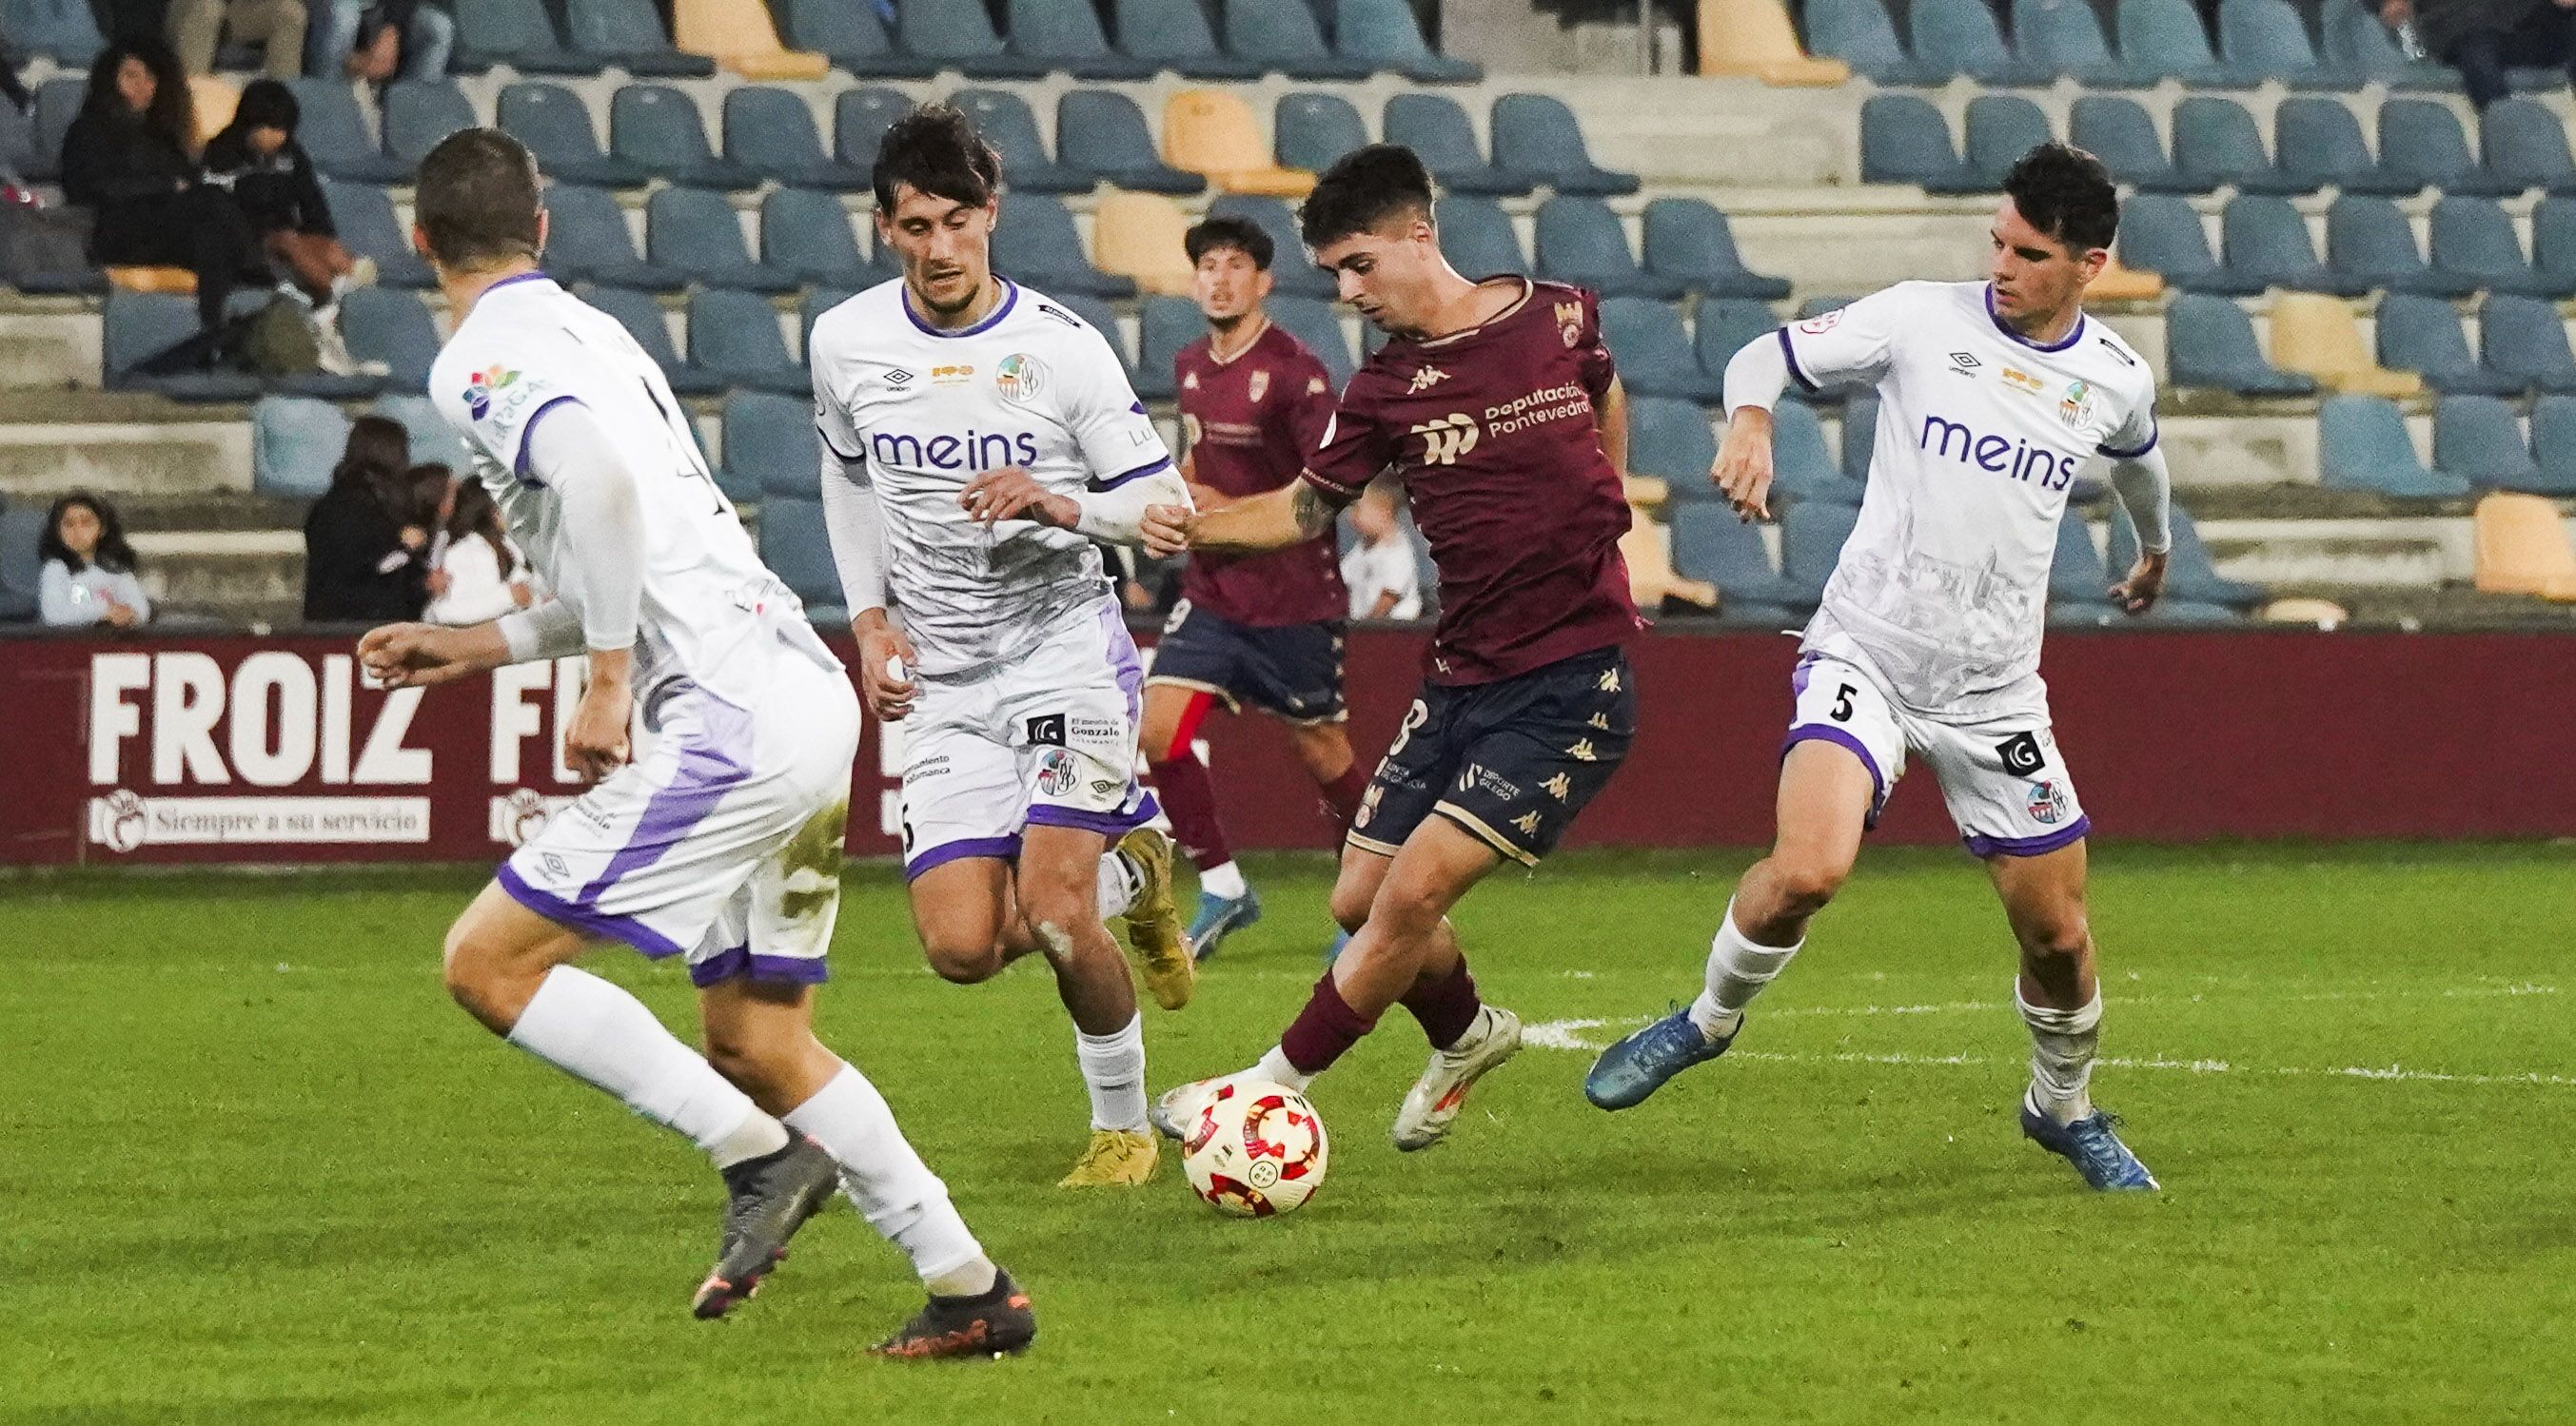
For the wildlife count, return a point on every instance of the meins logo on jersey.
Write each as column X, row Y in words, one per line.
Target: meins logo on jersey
column 2021, row 460
column 975, row 450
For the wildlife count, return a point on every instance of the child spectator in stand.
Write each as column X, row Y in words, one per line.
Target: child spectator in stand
column 271, row 179
column 479, row 574
column 89, row 568
column 1384, row 580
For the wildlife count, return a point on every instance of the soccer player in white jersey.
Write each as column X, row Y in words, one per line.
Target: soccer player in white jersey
column 1992, row 396
column 978, row 437
column 722, row 843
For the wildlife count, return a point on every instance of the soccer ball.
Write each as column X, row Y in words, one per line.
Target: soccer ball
column 1254, row 1149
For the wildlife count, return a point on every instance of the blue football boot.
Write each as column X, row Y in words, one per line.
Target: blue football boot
column 2091, row 1145
column 1638, row 1066
column 1220, row 917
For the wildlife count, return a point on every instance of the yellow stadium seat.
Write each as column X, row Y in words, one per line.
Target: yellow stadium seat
column 2314, row 333
column 1139, row 236
column 1645, row 492
column 2522, row 548
column 2124, row 284
column 177, row 281
column 1648, row 549
column 1211, row 132
column 1752, row 39
column 214, row 100
column 740, row 36
column 2317, row 613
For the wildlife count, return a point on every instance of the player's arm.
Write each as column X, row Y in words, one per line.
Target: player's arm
column 2145, row 488
column 1132, row 471
column 603, row 530
column 1853, row 343
column 1272, row 520
column 854, row 517
column 1610, row 419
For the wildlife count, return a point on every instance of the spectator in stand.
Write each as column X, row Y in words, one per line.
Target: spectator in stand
column 130, row 157
column 2483, row 38
column 277, row 26
column 89, row 568
column 382, row 41
column 1380, row 572
column 364, row 539
column 480, row 574
column 271, row 179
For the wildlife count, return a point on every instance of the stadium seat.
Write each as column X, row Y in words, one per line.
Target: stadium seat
column 2189, row 575
column 1212, row 132
column 628, row 35
column 2353, row 38
column 642, row 317
column 1753, row 39
column 2210, row 342
column 797, row 546
column 1579, row 240
column 433, row 441
column 2267, row 39
column 2370, row 239
column 807, row 232
column 334, row 135
column 816, row 302
column 2474, row 240
column 854, row 39
column 1690, row 242
column 1653, row 353
column 1319, row 325
column 2422, row 335
column 1139, row 236
column 137, row 326
column 2316, row 334
column 1385, row 36
column 1007, row 124
column 2524, row 340
column 2521, row 547
column 742, row 38
column 1286, row 39
column 2118, row 132
column 2421, row 139
column 587, row 240
column 64, row 31
column 295, row 441
column 1670, row 440
column 2215, row 143
column 693, row 230
column 1039, row 245
column 2160, row 233
column 369, row 229
column 2362, row 445
column 1103, row 132
column 391, row 326
column 1725, row 326
column 2320, row 145
column 2165, row 38
column 420, row 112
column 1065, row 35
column 2478, row 439
column 1164, row 326
column 2001, row 128
column 22, row 529
column 1860, row 35
column 2064, row 37
column 1290, row 272
column 1434, row 127
column 959, row 35
column 1903, row 139
column 1477, row 237
column 772, row 133
column 2526, row 146
column 860, row 118
column 1860, row 434
column 515, row 33
column 1104, row 320
column 1802, row 470
column 657, row 128
column 1646, row 548
column 1811, row 539
column 1711, row 545
column 1961, row 37
column 1535, row 134
column 770, row 448
column 1312, row 131
column 1175, row 35
column 2553, row 445
column 2263, row 237
column 58, row 102
column 2553, row 237
column 2077, row 577
column 555, row 126
column 735, row 335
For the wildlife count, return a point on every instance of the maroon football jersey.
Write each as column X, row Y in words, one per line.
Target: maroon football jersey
column 1252, row 420
column 1491, row 430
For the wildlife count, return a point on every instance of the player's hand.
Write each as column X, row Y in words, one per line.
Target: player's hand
column 418, row 655
column 1743, row 470
column 885, row 661
column 595, row 741
column 1207, row 497
column 2138, row 593
column 1011, row 493
column 1168, row 529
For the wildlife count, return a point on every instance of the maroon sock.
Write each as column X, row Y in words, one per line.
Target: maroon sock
column 1342, row 795
column 1189, row 796
column 1322, row 1031
column 1446, row 1007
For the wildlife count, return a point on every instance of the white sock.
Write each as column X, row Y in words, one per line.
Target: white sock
column 1113, row 1069
column 603, row 1036
column 1224, row 879
column 1737, row 971
column 890, row 1185
column 2062, row 1044
column 1275, row 1068
column 1119, row 884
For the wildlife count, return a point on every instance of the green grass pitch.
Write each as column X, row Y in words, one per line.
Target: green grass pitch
column 254, row 1168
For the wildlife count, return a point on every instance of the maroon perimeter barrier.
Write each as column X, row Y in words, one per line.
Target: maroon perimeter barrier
column 273, row 750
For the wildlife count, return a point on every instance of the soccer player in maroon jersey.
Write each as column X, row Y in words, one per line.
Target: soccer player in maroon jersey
column 1496, row 404
column 1258, row 629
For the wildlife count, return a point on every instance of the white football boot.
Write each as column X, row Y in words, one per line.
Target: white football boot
column 1432, row 1105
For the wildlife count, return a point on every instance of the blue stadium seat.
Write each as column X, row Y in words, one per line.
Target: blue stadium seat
column 587, row 240
column 860, row 118
column 368, row 228
column 816, row 302
column 2477, row 439
column 1286, row 38
column 2002, row 128
column 1689, row 241
column 735, row 335
column 1165, row 325
column 516, row 33
column 1802, row 470
column 137, row 326
column 2077, row 577
column 2320, row 144
column 797, row 547
column 1961, row 37
column 1104, row 320
column 2064, row 37
column 770, row 447
column 1065, row 35
column 854, row 38
column 1311, row 131
column 2362, row 445
column 2165, row 37
column 1725, row 326
column 391, row 326
column 2553, row 446
column 2160, row 233
column 2422, row 335
column 2526, row 146
column 433, row 441
column 2191, row 579
column 1038, row 244
column 2473, row 238
column 2266, row 39
column 2118, row 132
column 1007, row 125
column 2370, row 239
column 1103, row 132
column 1860, row 34
column 1478, row 239
column 629, row 35
column 1710, row 543
column 555, row 126
column 58, row 102
column 2524, row 340
column 22, row 528
column 1290, row 272
column 2421, row 139
column 2264, row 237
column 1175, row 35
column 641, row 315
column 1434, row 127
column 2215, row 142
column 1319, row 326
column 1903, row 139
column 1654, row 354
column 2354, row 39
column 1580, row 241
column 807, row 232
column 695, row 231
column 2209, row 341
column 2553, row 237
column 420, row 112
column 1811, row 539
column 294, row 443
column 64, row 31
column 334, row 135
column 1860, row 434
column 1670, row 439
column 959, row 35
column 657, row 128
column 1537, row 135
column 1385, row 36
column 772, row 133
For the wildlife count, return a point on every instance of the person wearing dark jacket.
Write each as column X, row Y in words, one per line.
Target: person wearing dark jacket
column 271, row 179
column 129, row 158
column 2481, row 38
column 363, row 540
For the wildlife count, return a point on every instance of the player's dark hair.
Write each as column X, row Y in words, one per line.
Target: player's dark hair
column 1364, row 188
column 112, row 553
column 939, row 151
column 2066, row 193
column 1241, row 234
column 476, row 198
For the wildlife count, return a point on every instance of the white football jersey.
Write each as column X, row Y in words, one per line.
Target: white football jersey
column 1943, row 585
column 712, row 612
column 917, row 412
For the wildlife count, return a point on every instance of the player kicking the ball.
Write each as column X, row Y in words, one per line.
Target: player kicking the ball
column 722, row 845
column 1497, row 405
column 1992, row 396
column 978, row 438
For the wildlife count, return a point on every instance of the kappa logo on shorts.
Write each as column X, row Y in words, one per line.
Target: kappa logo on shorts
column 2047, row 802
column 1528, row 823
column 1559, row 787
column 1610, row 680
column 1056, row 772
column 1583, row 751
column 1046, row 729
column 2021, row 754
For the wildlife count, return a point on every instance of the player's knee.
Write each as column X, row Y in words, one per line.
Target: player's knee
column 1056, row 916
column 1407, row 908
column 963, row 960
column 1350, row 902
column 2055, row 942
column 1806, row 884
column 754, row 1067
column 472, row 967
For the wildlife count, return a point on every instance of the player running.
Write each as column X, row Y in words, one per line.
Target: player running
column 1496, row 403
column 978, row 438
column 1263, row 629
column 722, row 844
column 1992, row 396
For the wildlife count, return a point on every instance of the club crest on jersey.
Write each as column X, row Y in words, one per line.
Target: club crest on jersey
column 1569, row 321
column 2076, row 406
column 951, row 375
column 2047, row 803
column 480, row 386
column 1056, row 772
column 1821, row 323
column 1445, row 440
column 1021, row 377
column 1260, row 386
column 1425, row 378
